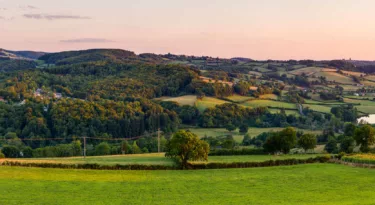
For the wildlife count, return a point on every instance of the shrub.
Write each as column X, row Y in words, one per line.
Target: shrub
column 27, row 152
column 2, row 155
column 331, row 146
column 11, row 152
column 103, row 149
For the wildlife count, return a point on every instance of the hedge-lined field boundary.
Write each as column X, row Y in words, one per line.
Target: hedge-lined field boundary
column 270, row 163
column 231, row 152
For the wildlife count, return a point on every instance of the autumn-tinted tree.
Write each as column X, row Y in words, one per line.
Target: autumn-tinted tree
column 185, row 146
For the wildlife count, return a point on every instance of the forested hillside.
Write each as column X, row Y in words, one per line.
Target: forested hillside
column 110, row 93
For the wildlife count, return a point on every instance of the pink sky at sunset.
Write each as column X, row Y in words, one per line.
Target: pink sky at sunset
column 259, row 29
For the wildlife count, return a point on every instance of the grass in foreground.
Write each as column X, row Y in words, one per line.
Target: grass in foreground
column 303, row 184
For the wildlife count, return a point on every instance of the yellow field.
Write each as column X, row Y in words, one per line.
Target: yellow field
column 269, row 96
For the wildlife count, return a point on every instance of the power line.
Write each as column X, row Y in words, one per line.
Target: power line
column 94, row 138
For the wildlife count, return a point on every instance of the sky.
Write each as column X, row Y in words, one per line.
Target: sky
column 257, row 29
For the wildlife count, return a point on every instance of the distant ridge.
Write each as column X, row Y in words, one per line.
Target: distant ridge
column 24, row 55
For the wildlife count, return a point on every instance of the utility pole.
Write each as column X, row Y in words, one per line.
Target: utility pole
column 158, row 140
column 84, row 147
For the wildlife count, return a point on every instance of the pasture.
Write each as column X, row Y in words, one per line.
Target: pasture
column 271, row 103
column 182, row 100
column 157, row 159
column 301, row 184
column 208, row 102
column 253, row 132
column 366, row 106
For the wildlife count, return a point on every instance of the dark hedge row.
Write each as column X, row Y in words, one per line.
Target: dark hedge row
column 230, row 152
column 270, row 163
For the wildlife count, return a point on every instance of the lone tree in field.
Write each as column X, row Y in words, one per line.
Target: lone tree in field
column 186, row 146
column 281, row 141
column 307, row 141
column 365, row 136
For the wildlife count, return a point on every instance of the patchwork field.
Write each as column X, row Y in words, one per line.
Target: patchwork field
column 207, row 102
column 303, row 184
column 239, row 98
column 366, row 106
column 271, row 103
column 318, row 108
column 334, row 76
column 253, row 132
column 269, row 96
column 307, row 70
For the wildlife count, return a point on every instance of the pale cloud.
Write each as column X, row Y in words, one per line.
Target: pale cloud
column 53, row 17
column 87, row 40
column 28, row 7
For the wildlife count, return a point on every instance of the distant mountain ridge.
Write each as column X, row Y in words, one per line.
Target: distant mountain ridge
column 24, row 55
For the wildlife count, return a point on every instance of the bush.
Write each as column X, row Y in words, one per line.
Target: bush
column 11, row 152
column 331, row 146
column 103, row 149
column 27, row 152
column 2, row 155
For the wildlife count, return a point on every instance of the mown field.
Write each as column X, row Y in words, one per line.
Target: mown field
column 302, row 184
column 157, row 159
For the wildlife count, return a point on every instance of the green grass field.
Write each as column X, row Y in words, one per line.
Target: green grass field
column 334, row 76
column 239, row 98
column 312, row 184
column 253, row 132
column 207, row 102
column 318, row 108
column 156, row 159
column 366, row 106
column 265, row 103
column 145, row 159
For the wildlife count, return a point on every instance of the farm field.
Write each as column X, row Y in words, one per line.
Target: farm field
column 288, row 112
column 207, row 102
column 271, row 103
column 334, row 76
column 157, row 159
column 302, row 184
column 145, row 159
column 269, row 96
column 366, row 106
column 253, row 132
column 239, row 98
column 182, row 100
column 318, row 108
column 307, row 70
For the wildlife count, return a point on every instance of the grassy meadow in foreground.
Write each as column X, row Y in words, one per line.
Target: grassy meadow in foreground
column 303, row 184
